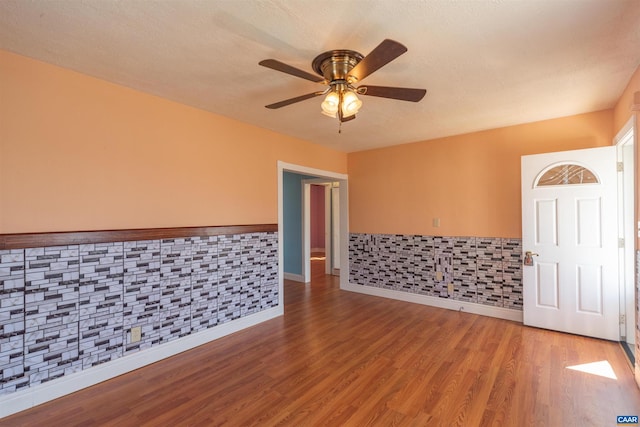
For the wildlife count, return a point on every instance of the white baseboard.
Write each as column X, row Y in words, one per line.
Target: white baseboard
column 294, row 277
column 30, row 397
column 467, row 307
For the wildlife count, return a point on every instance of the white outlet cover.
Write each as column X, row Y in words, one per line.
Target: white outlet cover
column 136, row 334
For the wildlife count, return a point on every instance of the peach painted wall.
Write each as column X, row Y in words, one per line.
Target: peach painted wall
column 471, row 182
column 79, row 153
column 622, row 111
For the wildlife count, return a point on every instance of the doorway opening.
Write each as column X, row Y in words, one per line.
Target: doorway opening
column 317, row 226
column 321, row 223
column 294, row 219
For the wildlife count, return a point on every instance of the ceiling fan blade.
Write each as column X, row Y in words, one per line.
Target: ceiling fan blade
column 281, row 66
column 384, row 53
column 293, row 100
column 401, row 93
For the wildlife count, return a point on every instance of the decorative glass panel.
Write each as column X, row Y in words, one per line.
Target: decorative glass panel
column 567, row 175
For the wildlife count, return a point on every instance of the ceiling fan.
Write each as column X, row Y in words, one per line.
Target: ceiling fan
column 341, row 70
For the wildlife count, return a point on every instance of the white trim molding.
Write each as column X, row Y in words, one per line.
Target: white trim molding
column 449, row 304
column 294, row 277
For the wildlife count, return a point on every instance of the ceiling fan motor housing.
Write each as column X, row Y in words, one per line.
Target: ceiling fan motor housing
column 335, row 65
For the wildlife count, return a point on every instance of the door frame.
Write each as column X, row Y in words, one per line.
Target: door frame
column 344, row 216
column 624, row 139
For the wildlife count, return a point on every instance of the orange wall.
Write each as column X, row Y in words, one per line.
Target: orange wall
column 79, row 153
column 622, row 111
column 471, row 182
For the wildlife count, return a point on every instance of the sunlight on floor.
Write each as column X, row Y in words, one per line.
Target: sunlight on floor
column 602, row 368
column 317, row 258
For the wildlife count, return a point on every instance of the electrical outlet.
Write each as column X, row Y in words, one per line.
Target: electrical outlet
column 450, row 288
column 439, row 275
column 136, row 334
column 436, row 222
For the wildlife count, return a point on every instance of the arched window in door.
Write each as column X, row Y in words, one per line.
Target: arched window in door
column 566, row 174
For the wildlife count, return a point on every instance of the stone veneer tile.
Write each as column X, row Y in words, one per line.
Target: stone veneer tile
column 229, row 277
column 83, row 300
column 175, row 289
column 489, row 248
column 489, row 279
column 270, row 285
column 425, row 280
column 444, row 269
column 482, row 270
column 443, row 245
column 12, row 376
column 424, row 249
column 386, row 243
column 229, row 295
column 443, row 253
column 229, row 246
column 204, row 283
column 405, row 263
column 464, row 269
column 51, row 307
column 405, row 244
column 385, row 264
column 101, row 302
column 370, row 270
column 424, row 265
column 512, row 251
column 141, row 293
column 512, row 285
column 251, row 271
column 356, row 259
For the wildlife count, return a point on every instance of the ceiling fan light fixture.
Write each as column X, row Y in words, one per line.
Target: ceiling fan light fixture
column 330, row 104
column 350, row 104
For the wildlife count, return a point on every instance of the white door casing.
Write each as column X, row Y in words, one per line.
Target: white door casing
column 626, row 230
column 335, row 226
column 572, row 285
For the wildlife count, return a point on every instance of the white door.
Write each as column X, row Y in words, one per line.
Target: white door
column 569, row 224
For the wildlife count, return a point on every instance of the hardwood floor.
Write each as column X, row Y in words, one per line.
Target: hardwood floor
column 339, row 358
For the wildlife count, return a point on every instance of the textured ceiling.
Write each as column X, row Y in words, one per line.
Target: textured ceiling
column 485, row 64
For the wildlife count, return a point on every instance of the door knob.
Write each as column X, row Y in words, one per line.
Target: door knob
column 528, row 257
